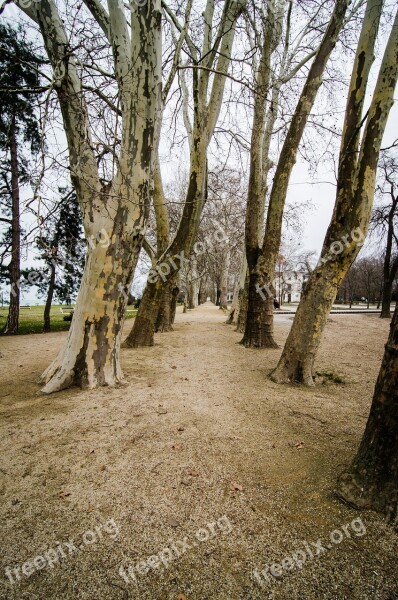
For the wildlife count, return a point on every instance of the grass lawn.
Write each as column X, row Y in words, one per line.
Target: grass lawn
column 31, row 320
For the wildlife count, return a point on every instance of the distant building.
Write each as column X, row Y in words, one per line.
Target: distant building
column 289, row 285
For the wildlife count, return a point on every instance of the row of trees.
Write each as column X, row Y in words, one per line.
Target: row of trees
column 122, row 74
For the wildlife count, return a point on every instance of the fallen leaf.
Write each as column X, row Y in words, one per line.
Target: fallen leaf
column 181, row 597
column 173, row 367
column 193, row 473
column 102, row 468
column 299, row 445
column 64, row 494
column 180, row 429
column 92, row 451
column 236, row 486
column 172, row 522
column 90, row 509
column 161, row 410
column 177, row 447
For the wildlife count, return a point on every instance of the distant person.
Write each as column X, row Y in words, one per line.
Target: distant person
column 276, row 303
column 68, row 301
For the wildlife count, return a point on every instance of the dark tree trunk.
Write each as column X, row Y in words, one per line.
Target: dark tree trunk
column 173, row 303
column 142, row 332
column 218, row 297
column 372, row 480
column 12, row 324
column 50, row 294
column 259, row 320
column 163, row 319
column 389, row 273
column 386, row 302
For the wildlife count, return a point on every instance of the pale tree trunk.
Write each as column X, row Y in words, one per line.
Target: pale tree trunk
column 262, row 262
column 12, row 324
column 240, row 284
column 207, row 106
column 243, row 302
column 371, row 482
column 90, row 357
column 355, row 192
column 226, row 260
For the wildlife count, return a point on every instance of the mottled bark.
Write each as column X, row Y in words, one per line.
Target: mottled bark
column 90, row 356
column 259, row 322
column 163, row 319
column 207, row 100
column 354, row 200
column 226, row 259
column 12, row 324
column 371, row 482
column 243, row 304
column 240, row 283
column 262, row 262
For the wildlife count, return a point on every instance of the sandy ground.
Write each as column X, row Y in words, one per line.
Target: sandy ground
column 200, row 463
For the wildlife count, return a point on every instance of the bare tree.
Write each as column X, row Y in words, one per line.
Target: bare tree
column 119, row 206
column 213, row 59
column 384, row 223
column 262, row 258
column 355, row 192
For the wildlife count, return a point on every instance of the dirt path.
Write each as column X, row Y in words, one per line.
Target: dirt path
column 199, row 462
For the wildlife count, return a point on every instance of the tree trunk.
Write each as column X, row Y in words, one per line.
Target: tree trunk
column 297, row 360
column 259, row 319
column 50, row 294
column 12, row 324
column 386, row 301
column 207, row 105
column 243, row 304
column 173, row 304
column 218, row 296
column 142, row 332
column 262, row 262
column 90, row 357
column 372, row 480
column 354, row 200
column 240, row 284
column 163, row 319
column 226, row 259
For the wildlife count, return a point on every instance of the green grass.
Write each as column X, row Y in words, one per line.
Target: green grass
column 31, row 321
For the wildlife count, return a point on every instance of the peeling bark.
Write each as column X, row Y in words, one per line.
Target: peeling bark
column 90, row 356
column 262, row 261
column 354, row 201
column 207, row 101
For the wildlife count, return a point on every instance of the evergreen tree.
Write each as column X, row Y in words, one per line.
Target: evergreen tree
column 18, row 130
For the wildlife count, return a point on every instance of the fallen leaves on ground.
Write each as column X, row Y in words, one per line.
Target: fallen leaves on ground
column 236, row 487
